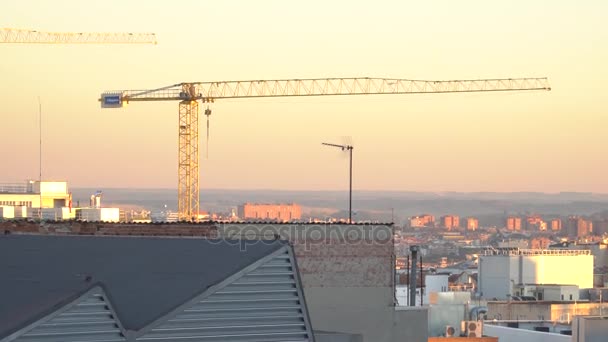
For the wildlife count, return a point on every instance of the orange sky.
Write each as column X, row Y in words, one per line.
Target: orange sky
column 534, row 141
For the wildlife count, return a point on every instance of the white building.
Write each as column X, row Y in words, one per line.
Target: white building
column 165, row 216
column 98, row 214
column 502, row 271
column 434, row 283
column 22, row 200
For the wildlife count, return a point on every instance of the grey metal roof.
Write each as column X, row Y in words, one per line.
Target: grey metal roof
column 144, row 278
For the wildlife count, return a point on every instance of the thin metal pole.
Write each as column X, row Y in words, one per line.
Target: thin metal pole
column 350, row 187
column 348, row 148
column 40, row 157
column 412, row 280
column 409, row 283
column 421, row 282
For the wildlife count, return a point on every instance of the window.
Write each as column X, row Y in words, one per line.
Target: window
column 562, row 297
column 570, row 296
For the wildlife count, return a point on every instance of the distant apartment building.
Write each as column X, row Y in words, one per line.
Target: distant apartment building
column 450, row 222
column 424, row 220
column 577, row 227
column 270, row 212
column 600, row 227
column 513, row 223
column 555, row 225
column 471, row 223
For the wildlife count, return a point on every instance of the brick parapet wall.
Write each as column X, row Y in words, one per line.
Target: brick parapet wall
column 101, row 228
column 331, row 255
column 327, row 255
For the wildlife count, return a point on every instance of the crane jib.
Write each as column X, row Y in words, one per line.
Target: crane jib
column 191, row 95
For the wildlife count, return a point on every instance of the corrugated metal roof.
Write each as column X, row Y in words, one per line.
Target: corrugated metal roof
column 145, row 278
column 261, row 303
column 89, row 318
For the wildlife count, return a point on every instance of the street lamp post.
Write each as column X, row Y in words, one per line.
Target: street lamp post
column 348, row 148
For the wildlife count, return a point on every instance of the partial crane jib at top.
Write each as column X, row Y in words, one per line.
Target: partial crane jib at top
column 23, row 36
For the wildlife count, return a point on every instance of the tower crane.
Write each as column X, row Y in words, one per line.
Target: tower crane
column 21, row 36
column 191, row 94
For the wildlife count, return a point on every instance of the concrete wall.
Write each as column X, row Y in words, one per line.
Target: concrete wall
column 566, row 292
column 590, row 329
column 442, row 315
column 330, row 336
column 558, row 269
column 367, row 311
column 348, row 278
column 493, row 277
column 434, row 283
column 506, row 334
column 519, row 310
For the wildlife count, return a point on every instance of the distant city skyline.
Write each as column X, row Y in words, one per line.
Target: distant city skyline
column 505, row 142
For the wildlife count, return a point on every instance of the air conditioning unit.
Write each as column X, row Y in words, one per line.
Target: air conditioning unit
column 474, row 328
column 450, row 331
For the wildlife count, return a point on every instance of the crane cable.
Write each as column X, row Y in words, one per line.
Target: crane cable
column 207, row 114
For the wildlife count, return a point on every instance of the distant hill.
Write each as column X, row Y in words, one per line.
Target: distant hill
column 370, row 205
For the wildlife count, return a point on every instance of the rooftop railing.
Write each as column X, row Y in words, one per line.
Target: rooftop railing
column 534, row 252
column 15, row 188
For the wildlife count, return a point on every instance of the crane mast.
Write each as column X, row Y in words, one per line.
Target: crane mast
column 22, row 36
column 190, row 94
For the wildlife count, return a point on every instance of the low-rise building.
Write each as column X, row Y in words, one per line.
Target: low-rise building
column 550, row 292
column 270, row 212
column 35, row 194
column 98, row 214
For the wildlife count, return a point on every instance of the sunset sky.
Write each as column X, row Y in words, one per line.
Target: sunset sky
column 517, row 141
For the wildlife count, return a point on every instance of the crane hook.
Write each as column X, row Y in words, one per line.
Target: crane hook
column 207, row 114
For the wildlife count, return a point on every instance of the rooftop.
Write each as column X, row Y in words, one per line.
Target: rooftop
column 145, row 277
